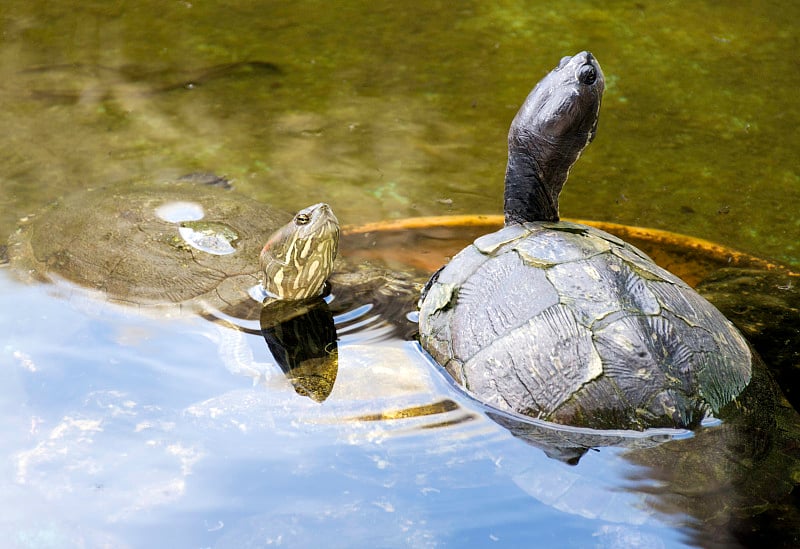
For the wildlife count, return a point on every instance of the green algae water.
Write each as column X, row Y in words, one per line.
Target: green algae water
column 402, row 109
column 123, row 431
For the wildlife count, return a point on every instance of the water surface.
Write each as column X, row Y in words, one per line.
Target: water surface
column 151, row 440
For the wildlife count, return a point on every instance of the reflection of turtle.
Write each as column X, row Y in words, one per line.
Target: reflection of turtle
column 182, row 243
column 566, row 322
column 301, row 336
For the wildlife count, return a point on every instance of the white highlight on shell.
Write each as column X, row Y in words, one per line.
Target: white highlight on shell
column 209, row 242
column 175, row 212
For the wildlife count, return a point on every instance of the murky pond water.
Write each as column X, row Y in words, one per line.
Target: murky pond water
column 125, row 431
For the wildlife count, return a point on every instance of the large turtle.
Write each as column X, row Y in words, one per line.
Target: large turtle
column 190, row 243
column 565, row 322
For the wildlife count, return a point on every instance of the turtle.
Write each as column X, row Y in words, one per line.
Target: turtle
column 190, row 243
column 564, row 322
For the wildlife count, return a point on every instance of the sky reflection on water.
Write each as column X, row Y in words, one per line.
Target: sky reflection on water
column 119, row 426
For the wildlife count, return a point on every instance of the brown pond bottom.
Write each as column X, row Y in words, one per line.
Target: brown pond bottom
column 427, row 243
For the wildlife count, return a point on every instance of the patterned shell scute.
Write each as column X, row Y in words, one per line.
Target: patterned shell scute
column 567, row 323
column 490, row 243
column 551, row 367
column 600, row 286
column 492, row 302
column 552, row 247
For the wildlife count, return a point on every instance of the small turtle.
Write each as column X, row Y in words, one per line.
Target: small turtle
column 565, row 322
column 184, row 242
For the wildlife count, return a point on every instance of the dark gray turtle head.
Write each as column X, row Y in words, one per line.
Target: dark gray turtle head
column 556, row 122
column 298, row 258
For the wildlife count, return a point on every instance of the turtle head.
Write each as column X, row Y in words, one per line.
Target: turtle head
column 298, row 257
column 556, row 122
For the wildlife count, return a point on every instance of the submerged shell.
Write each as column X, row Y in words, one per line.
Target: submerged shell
column 570, row 324
column 129, row 244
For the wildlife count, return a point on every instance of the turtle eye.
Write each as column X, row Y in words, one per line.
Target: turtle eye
column 302, row 219
column 587, row 75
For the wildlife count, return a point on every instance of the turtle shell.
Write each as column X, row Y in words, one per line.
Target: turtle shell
column 570, row 324
column 153, row 244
